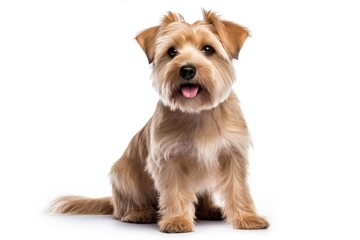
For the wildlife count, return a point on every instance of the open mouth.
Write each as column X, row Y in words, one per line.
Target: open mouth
column 189, row 90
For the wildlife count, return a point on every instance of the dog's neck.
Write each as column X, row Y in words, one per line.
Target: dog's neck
column 214, row 119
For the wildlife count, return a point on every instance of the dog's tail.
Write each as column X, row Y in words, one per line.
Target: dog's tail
column 80, row 205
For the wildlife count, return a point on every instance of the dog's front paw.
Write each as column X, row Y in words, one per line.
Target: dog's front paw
column 250, row 221
column 176, row 225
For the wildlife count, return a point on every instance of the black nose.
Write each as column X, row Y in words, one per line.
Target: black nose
column 187, row 72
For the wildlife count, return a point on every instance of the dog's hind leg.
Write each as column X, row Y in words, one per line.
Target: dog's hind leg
column 134, row 195
column 128, row 210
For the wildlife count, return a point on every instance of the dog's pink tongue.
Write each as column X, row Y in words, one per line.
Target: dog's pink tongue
column 189, row 91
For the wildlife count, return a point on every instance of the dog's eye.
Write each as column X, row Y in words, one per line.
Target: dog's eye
column 172, row 52
column 208, row 50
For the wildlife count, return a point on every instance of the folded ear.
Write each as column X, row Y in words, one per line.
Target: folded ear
column 231, row 34
column 147, row 39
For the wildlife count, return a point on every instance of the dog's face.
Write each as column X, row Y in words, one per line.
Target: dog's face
column 192, row 65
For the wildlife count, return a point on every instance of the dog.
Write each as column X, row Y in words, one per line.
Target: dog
column 195, row 144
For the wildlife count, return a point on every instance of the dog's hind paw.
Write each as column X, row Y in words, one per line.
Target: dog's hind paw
column 140, row 216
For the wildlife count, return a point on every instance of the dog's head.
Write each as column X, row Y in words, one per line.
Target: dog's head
column 192, row 65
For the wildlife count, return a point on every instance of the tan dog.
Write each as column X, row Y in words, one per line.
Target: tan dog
column 196, row 142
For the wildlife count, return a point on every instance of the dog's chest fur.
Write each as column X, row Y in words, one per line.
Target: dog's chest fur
column 198, row 139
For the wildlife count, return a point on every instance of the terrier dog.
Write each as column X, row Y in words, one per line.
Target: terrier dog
column 196, row 142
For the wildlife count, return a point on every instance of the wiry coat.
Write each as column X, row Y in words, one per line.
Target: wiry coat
column 192, row 146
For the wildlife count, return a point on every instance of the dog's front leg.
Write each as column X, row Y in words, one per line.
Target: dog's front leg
column 176, row 197
column 238, row 205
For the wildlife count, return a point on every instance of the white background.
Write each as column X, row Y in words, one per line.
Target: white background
column 75, row 87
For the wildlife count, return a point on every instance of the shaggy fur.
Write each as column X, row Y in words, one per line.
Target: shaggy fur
column 196, row 142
